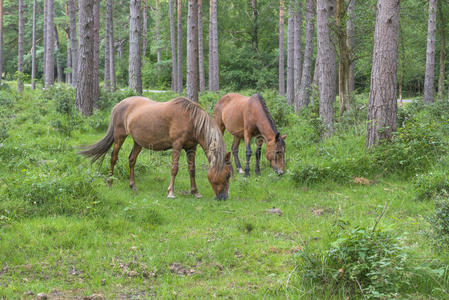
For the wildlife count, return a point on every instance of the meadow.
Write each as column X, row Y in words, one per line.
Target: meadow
column 344, row 222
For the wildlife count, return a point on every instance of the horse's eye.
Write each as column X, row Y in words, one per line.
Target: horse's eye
column 228, row 176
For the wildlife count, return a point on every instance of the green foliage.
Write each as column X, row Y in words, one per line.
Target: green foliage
column 430, row 185
column 439, row 221
column 360, row 261
column 62, row 97
column 157, row 75
column 107, row 100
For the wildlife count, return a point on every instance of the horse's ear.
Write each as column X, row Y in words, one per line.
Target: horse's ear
column 284, row 136
column 228, row 157
column 277, row 136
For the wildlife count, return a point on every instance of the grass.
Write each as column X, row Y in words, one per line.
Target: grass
column 123, row 244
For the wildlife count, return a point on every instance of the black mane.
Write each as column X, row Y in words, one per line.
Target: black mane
column 267, row 113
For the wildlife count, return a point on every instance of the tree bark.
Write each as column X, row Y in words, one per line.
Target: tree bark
column 281, row 48
column 110, row 37
column 158, row 36
column 291, row 54
column 107, row 54
column 344, row 59
column 179, row 81
column 135, row 78
column 442, row 51
column 430, row 53
column 85, row 91
column 297, row 69
column 68, row 75
column 145, row 26
column 20, row 48
column 401, row 72
column 96, row 61
column 382, row 100
column 44, row 37
column 50, row 53
column 174, row 68
column 214, row 84
column 302, row 95
column 33, row 48
column 192, row 51
column 350, row 30
column 200, row 47
column 255, row 34
column 326, row 53
column 59, row 70
column 1, row 40
column 74, row 41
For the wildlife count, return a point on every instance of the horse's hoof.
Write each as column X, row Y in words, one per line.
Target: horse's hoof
column 197, row 195
column 171, row 196
column 241, row 171
column 133, row 187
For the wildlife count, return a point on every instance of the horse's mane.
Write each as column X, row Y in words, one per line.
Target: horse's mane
column 206, row 127
column 267, row 113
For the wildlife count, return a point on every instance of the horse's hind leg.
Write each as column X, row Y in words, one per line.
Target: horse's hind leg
column 174, row 170
column 191, row 162
column 118, row 142
column 132, row 162
column 248, row 152
column 258, row 152
column 235, row 152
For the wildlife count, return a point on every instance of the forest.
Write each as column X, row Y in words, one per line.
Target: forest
column 342, row 187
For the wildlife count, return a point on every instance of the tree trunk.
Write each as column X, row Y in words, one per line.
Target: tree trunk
column 192, row 51
column 1, row 40
column 59, row 70
column 174, row 68
column 179, row 81
column 145, row 27
column 281, row 48
column 107, row 54
column 200, row 47
column 44, row 37
column 96, row 60
column 401, row 79
column 382, row 99
column 442, row 51
column 345, row 58
column 33, row 48
column 85, row 90
column 254, row 36
column 74, row 41
column 50, row 53
column 213, row 48
column 430, row 53
column 20, row 48
column 68, row 75
column 350, row 41
column 316, row 70
column 135, row 79
column 326, row 53
column 110, row 37
column 302, row 95
column 297, row 69
column 158, row 36
column 290, row 55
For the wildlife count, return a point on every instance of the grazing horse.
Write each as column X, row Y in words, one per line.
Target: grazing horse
column 177, row 124
column 248, row 117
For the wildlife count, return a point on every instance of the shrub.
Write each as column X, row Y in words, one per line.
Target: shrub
column 360, row 260
column 108, row 99
column 63, row 98
column 430, row 185
column 440, row 221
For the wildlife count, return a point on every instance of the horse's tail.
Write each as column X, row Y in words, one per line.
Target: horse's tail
column 99, row 149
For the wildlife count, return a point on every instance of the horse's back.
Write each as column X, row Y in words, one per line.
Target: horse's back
column 231, row 112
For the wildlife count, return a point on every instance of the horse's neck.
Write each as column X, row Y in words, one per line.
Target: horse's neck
column 207, row 149
column 265, row 128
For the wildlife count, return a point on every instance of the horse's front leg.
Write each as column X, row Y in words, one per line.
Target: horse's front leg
column 132, row 162
column 258, row 153
column 174, row 171
column 248, row 153
column 235, row 152
column 191, row 162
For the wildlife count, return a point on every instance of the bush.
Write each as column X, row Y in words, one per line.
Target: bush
column 440, row 221
column 63, row 98
column 360, row 260
column 430, row 185
column 107, row 100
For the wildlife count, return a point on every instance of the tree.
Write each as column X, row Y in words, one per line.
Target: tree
column 214, row 78
column 158, row 36
column 350, row 41
column 49, row 45
column 297, row 68
column 200, row 47
column 58, row 57
column 281, row 48
column 430, row 53
column 192, row 51
column 33, row 48
column 179, row 81
column 442, row 50
column 145, row 25
column 326, row 54
column 382, row 99
column 344, row 59
column 302, row 94
column 96, row 61
column 74, row 41
column 85, row 88
column 174, row 68
column 135, row 78
column 255, row 34
column 20, row 49
column 1, row 40
column 110, row 44
column 290, row 55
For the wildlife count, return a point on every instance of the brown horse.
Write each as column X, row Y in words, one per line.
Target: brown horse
column 178, row 124
column 248, row 117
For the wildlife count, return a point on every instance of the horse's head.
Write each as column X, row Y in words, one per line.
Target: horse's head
column 275, row 153
column 219, row 179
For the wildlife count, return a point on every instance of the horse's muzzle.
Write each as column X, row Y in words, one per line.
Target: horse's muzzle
column 222, row 196
column 279, row 172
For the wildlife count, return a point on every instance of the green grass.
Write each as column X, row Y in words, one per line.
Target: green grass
column 121, row 243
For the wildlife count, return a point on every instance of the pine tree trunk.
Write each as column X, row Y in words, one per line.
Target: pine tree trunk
column 74, row 41
column 327, row 79
column 401, row 72
column 382, row 100
column 20, row 48
column 85, row 90
column 213, row 48
column 281, row 48
column 135, row 79
column 33, row 48
column 1, row 40
column 174, row 68
column 68, row 75
column 430, row 53
column 302, row 95
column 192, row 51
column 200, row 47
column 350, row 41
column 59, row 70
column 110, row 37
column 344, row 60
column 50, row 40
column 107, row 54
column 442, row 51
column 179, row 81
column 297, row 69
column 316, row 70
column 290, row 55
column 44, row 38
column 255, row 34
column 96, row 60
column 145, row 27
column 158, row 36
